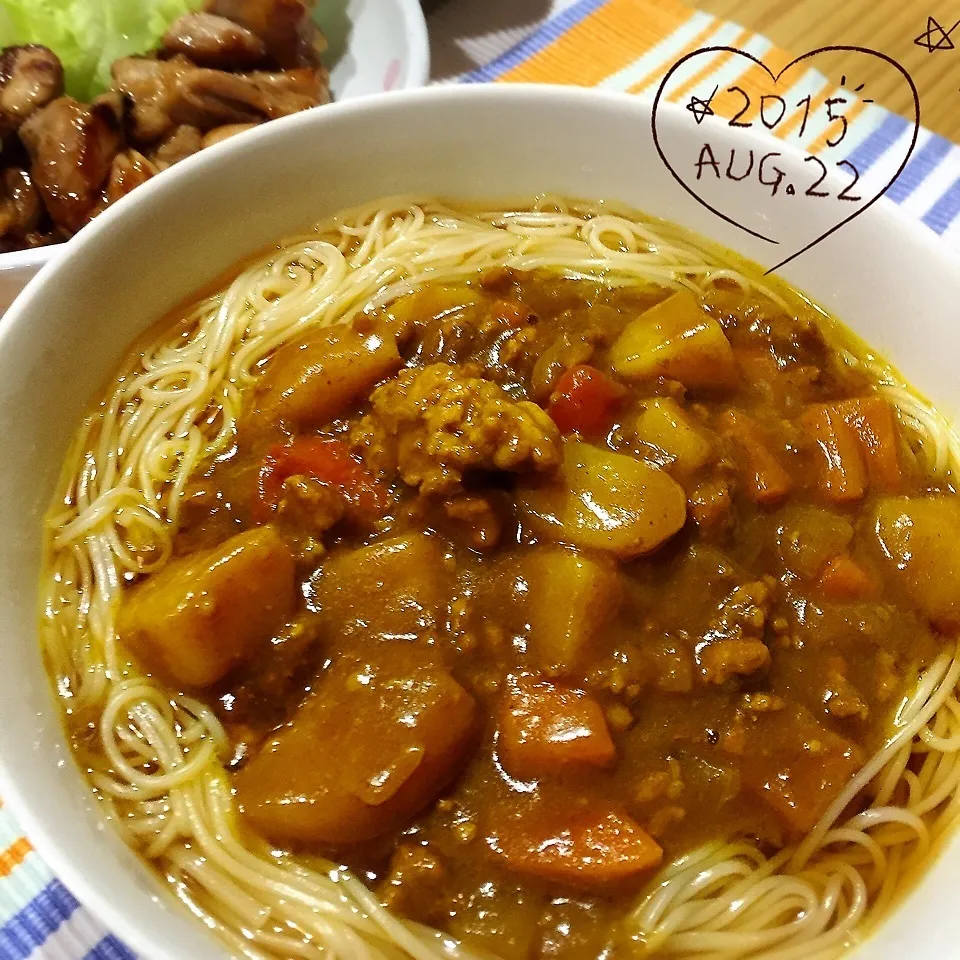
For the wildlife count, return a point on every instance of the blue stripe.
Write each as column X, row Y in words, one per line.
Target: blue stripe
column 920, row 167
column 37, row 921
column 941, row 214
column 867, row 154
column 110, row 948
column 534, row 43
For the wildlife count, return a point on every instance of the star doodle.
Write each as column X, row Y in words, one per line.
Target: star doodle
column 701, row 108
column 936, row 38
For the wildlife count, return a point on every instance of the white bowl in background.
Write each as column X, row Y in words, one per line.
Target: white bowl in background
column 890, row 279
column 375, row 46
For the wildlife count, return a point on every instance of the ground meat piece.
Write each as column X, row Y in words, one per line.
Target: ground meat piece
column 415, row 885
column 887, row 680
column 732, row 645
column 761, row 702
column 436, row 423
column 674, row 667
column 477, row 518
column 309, row 505
column 619, row 718
column 710, row 505
column 743, row 613
column 660, row 823
column 661, row 784
column 840, row 696
column 724, row 659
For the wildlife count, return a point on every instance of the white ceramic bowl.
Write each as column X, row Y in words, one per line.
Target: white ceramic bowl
column 375, row 46
column 890, row 279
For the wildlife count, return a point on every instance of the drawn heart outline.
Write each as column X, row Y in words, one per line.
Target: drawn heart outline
column 775, row 77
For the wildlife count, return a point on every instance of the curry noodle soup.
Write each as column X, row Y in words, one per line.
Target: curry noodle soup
column 531, row 582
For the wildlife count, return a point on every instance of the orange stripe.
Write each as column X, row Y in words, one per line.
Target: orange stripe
column 756, row 83
column 14, row 855
column 606, row 41
column 713, row 64
column 835, row 128
column 657, row 73
column 796, row 118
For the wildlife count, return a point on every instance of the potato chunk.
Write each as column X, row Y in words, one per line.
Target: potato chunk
column 665, row 425
column 313, row 381
column 204, row 614
column 393, row 588
column 381, row 735
column 808, row 537
column 605, row 501
column 917, row 542
column 678, row 340
column 545, row 728
column 571, row 597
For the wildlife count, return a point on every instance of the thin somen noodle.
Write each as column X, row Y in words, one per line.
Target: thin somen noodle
column 156, row 758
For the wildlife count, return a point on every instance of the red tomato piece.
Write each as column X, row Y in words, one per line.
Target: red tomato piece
column 585, row 401
column 326, row 459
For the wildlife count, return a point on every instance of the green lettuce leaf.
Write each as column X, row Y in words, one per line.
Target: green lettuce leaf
column 88, row 35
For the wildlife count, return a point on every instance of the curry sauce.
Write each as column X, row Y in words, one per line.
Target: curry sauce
column 522, row 587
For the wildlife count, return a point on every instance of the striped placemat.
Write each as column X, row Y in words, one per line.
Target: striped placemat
column 617, row 45
column 628, row 45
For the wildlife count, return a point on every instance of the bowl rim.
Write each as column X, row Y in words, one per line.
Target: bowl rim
column 24, row 259
column 15, row 783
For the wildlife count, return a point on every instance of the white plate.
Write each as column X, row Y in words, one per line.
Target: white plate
column 375, row 46
column 890, row 279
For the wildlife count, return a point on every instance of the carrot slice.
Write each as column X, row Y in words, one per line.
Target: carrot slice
column 545, row 727
column 589, row 848
column 793, row 762
column 872, row 419
column 842, row 475
column 328, row 460
column 767, row 480
column 510, row 313
column 844, row 579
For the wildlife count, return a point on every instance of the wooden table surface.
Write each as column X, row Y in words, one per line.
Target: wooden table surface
column 889, row 26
